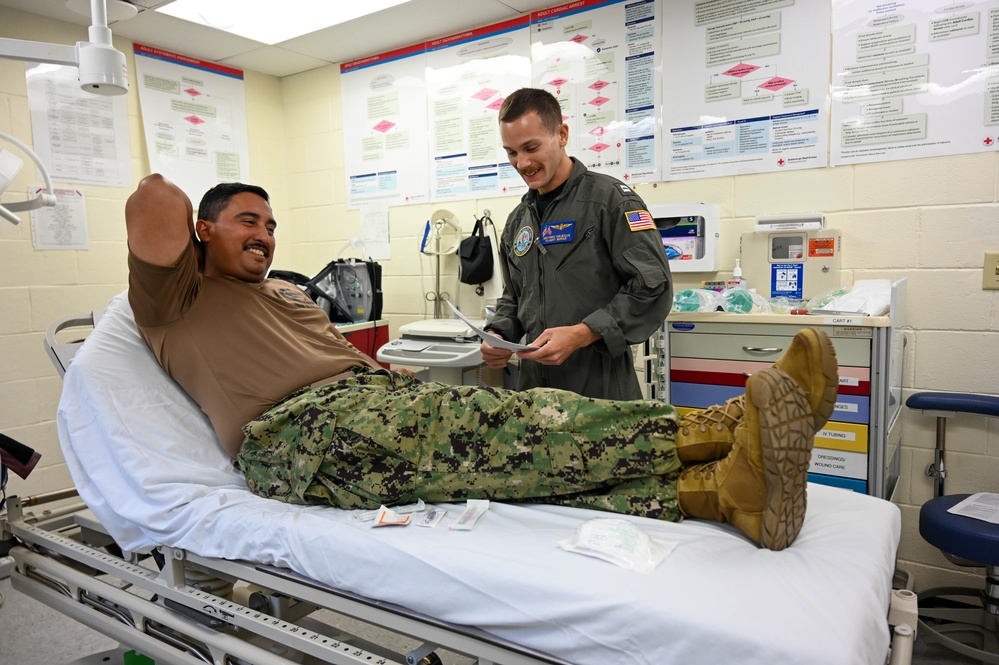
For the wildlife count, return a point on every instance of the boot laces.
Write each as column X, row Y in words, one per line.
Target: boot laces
column 699, row 472
column 724, row 416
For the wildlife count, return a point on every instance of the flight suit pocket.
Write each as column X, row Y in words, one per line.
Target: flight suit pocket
column 646, row 266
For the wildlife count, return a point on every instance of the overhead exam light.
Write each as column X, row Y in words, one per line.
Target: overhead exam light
column 102, row 68
column 10, row 164
column 102, row 71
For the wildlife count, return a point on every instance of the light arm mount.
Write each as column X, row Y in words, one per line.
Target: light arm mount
column 103, row 70
column 46, row 198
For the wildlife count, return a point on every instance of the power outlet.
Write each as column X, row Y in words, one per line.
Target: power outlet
column 990, row 271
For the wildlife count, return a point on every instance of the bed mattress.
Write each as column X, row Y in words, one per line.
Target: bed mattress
column 145, row 460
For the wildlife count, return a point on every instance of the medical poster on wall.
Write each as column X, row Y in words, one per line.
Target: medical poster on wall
column 746, row 87
column 914, row 79
column 384, row 101
column 599, row 59
column 468, row 77
column 194, row 119
column 79, row 136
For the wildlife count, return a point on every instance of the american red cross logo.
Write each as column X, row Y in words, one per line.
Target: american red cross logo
column 988, row 140
column 780, row 162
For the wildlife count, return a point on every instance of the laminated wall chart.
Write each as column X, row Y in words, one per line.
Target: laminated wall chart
column 745, row 86
column 599, row 59
column 468, row 77
column 194, row 117
column 385, row 107
column 82, row 137
column 658, row 91
column 914, row 79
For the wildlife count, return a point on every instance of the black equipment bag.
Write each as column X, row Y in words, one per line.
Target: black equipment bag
column 348, row 290
column 476, row 255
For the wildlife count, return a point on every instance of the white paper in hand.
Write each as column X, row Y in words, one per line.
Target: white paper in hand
column 491, row 340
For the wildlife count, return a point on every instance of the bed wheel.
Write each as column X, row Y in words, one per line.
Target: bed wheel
column 423, row 655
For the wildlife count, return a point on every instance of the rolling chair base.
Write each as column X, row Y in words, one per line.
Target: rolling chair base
column 971, row 631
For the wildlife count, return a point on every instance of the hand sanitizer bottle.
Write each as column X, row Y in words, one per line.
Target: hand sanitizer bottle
column 737, row 282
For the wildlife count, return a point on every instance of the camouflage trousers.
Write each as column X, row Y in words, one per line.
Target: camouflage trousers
column 386, row 438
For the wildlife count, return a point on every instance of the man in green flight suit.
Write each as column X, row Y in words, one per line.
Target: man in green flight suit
column 584, row 268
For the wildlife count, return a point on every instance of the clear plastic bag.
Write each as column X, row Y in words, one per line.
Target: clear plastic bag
column 620, row 542
column 741, row 301
column 697, row 300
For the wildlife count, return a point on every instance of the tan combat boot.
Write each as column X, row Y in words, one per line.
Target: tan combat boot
column 811, row 362
column 760, row 486
column 708, row 434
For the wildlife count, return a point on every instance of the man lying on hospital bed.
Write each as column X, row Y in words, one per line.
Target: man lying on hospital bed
column 312, row 420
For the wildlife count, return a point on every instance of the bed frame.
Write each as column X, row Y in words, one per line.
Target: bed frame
column 201, row 610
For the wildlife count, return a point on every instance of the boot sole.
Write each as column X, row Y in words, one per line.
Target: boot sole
column 822, row 355
column 786, row 438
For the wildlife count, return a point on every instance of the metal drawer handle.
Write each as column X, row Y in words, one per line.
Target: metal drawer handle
column 762, row 349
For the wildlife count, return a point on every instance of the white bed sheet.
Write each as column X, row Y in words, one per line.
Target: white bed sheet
column 146, row 461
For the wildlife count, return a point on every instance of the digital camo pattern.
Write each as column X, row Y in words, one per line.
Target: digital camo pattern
column 386, row 438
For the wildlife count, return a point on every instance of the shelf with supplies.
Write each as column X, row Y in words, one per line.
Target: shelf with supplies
column 700, row 359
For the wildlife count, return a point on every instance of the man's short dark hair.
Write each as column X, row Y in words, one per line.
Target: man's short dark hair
column 217, row 198
column 540, row 101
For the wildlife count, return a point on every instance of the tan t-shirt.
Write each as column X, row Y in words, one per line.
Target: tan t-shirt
column 236, row 347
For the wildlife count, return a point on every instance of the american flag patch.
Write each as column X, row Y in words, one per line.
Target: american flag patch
column 639, row 220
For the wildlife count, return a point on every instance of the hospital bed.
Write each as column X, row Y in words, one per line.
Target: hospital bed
column 235, row 578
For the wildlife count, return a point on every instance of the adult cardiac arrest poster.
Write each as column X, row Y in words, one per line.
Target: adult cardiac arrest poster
column 911, row 79
column 746, row 86
column 599, row 59
column 468, row 76
column 384, row 103
column 194, row 118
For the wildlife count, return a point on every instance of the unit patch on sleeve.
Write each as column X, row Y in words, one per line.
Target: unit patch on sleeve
column 639, row 220
column 555, row 232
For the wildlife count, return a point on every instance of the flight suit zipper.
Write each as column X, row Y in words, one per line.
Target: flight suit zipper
column 586, row 236
column 540, row 262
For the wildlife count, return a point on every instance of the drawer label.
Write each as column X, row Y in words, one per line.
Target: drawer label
column 836, row 434
column 841, row 330
column 682, row 326
column 839, row 463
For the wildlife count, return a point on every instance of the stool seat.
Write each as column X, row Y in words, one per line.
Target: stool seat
column 986, row 405
column 966, row 537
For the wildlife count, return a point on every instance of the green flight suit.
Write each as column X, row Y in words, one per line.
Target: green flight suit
column 588, row 261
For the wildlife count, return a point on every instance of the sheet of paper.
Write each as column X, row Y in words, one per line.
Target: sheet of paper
column 375, row 230
column 982, row 506
column 79, row 136
column 63, row 226
column 411, row 344
column 491, row 339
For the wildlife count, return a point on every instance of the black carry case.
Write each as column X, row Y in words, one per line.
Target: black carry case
column 348, row 290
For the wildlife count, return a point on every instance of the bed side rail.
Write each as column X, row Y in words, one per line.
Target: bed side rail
column 61, row 353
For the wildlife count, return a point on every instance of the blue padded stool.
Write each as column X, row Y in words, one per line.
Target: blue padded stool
column 972, row 631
